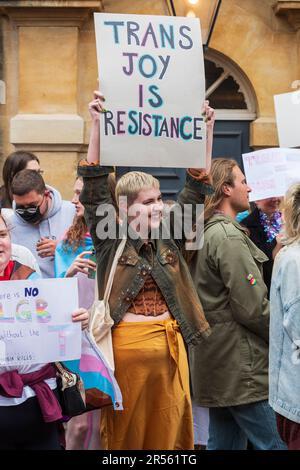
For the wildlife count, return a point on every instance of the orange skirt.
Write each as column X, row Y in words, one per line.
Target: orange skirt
column 152, row 372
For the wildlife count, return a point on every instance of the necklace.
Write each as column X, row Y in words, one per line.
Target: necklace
column 271, row 225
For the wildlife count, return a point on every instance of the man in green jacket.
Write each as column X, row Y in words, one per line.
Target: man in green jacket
column 230, row 370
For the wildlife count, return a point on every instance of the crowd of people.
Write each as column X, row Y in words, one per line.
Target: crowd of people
column 206, row 341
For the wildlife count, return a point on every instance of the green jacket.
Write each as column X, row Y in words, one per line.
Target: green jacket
column 231, row 368
column 162, row 258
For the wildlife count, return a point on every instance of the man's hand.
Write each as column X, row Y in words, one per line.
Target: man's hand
column 46, row 247
column 81, row 265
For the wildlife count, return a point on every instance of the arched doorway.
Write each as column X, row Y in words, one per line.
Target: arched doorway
column 231, row 94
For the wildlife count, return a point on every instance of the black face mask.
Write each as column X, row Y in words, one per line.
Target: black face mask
column 28, row 216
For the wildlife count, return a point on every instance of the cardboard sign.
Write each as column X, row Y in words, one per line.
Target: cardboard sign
column 152, row 76
column 270, row 172
column 287, row 107
column 36, row 321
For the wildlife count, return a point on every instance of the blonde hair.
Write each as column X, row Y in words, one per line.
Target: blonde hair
column 132, row 183
column 222, row 174
column 291, row 208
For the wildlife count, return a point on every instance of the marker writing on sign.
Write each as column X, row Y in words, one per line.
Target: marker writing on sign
column 155, row 99
column 147, row 65
column 159, row 36
column 137, row 123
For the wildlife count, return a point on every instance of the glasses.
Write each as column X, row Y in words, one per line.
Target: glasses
column 29, row 210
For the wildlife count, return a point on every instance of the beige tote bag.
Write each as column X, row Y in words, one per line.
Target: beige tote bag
column 100, row 320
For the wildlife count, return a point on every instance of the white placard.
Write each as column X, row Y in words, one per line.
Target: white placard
column 270, row 172
column 36, row 321
column 151, row 73
column 287, row 107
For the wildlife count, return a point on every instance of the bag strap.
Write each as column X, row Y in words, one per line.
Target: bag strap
column 111, row 276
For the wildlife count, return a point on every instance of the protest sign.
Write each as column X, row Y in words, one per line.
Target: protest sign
column 152, row 75
column 36, row 321
column 293, row 167
column 270, row 172
column 287, row 107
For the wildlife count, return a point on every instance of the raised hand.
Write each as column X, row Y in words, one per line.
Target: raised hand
column 209, row 117
column 81, row 265
column 96, row 106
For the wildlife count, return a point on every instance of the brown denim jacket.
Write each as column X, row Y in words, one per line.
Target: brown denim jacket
column 165, row 261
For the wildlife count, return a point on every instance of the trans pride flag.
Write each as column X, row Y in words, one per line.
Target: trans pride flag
column 98, row 378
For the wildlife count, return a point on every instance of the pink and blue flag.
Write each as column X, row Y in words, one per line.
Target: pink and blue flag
column 95, row 372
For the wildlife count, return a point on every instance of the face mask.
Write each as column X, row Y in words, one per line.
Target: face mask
column 30, row 217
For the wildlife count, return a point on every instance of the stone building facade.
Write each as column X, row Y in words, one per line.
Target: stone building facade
column 48, row 70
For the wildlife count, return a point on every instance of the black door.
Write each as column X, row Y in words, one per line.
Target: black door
column 171, row 179
column 231, row 140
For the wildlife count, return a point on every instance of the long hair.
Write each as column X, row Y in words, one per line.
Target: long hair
column 15, row 162
column 221, row 173
column 75, row 235
column 291, row 210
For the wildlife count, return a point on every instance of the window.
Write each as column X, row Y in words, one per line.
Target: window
column 228, row 89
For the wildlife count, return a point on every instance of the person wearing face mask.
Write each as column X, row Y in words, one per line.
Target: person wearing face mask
column 264, row 225
column 40, row 217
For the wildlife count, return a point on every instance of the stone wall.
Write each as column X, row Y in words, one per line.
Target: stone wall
column 265, row 46
column 48, row 63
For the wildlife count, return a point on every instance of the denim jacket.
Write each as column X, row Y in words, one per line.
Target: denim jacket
column 165, row 263
column 284, row 368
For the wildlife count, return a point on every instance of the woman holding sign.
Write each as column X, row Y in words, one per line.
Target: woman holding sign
column 153, row 301
column 29, row 409
column 72, row 258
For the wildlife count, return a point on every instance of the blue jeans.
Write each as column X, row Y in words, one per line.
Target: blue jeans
column 232, row 426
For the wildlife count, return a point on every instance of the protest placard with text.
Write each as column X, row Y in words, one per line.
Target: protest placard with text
column 270, row 172
column 287, row 107
column 36, row 321
column 151, row 73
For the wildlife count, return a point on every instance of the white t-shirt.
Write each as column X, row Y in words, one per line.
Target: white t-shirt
column 24, row 256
